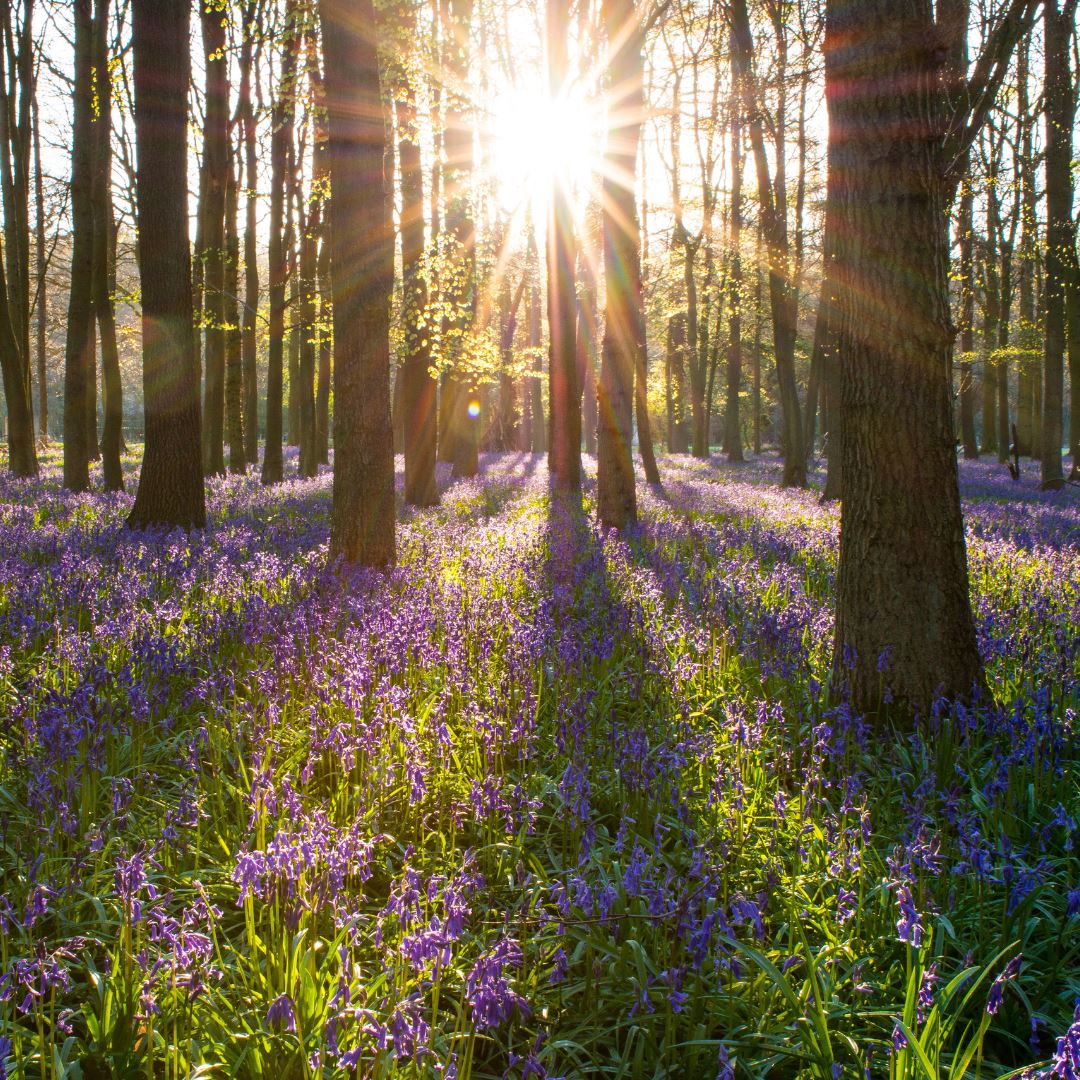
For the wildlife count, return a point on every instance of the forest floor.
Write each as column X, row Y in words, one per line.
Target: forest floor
column 540, row 802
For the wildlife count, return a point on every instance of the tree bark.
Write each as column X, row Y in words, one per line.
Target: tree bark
column 362, row 271
column 732, row 425
column 623, row 327
column 216, row 164
column 1059, row 111
column 281, row 121
column 564, row 393
column 783, row 297
column 234, row 346
column 79, row 348
column 903, row 615
column 170, row 489
column 967, row 321
column 418, row 386
column 249, row 322
column 103, row 255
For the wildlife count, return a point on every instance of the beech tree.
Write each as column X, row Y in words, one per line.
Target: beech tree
column 624, row 325
column 362, row 273
column 170, row 488
column 564, row 441
column 897, row 129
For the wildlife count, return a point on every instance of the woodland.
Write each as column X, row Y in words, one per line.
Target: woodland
column 540, row 539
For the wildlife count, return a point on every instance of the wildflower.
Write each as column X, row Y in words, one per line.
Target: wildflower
column 281, row 1016
column 997, row 990
column 930, row 978
column 909, row 925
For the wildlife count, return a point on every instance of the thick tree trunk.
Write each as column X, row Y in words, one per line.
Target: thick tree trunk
column 418, row 386
column 903, row 617
column 282, row 115
column 171, row 482
column 362, row 269
column 1059, row 111
column 216, row 164
column 623, row 327
column 79, row 348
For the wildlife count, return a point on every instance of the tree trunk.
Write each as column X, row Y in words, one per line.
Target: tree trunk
column 783, row 296
column 234, row 345
column 281, row 122
column 462, row 427
column 1059, row 110
column 308, row 258
column 1027, row 337
column 216, row 164
column 418, row 386
column 103, row 255
column 588, row 327
column 564, row 443
column 732, row 425
column 249, row 323
column 623, row 325
column 362, row 270
column 171, row 481
column 903, row 615
column 80, row 330
column 42, row 285
column 967, row 320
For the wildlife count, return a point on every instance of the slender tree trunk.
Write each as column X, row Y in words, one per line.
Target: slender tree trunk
column 216, row 163
column 322, row 394
column 234, row 346
column 1027, row 336
column 80, row 331
column 588, row 327
column 418, row 386
column 783, row 296
column 623, row 327
column 732, row 425
column 564, row 443
column 171, row 481
column 103, row 258
column 1059, row 111
column 282, row 115
column 903, row 615
column 462, row 399
column 249, row 323
column 308, row 257
column 967, row 320
column 538, row 428
column 292, row 205
column 362, row 269
column 42, row 285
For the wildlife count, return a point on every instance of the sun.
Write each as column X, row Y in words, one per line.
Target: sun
column 539, row 141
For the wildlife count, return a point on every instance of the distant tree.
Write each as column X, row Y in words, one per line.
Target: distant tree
column 362, row 272
column 783, row 292
column 171, row 481
column 732, row 426
column 282, row 118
